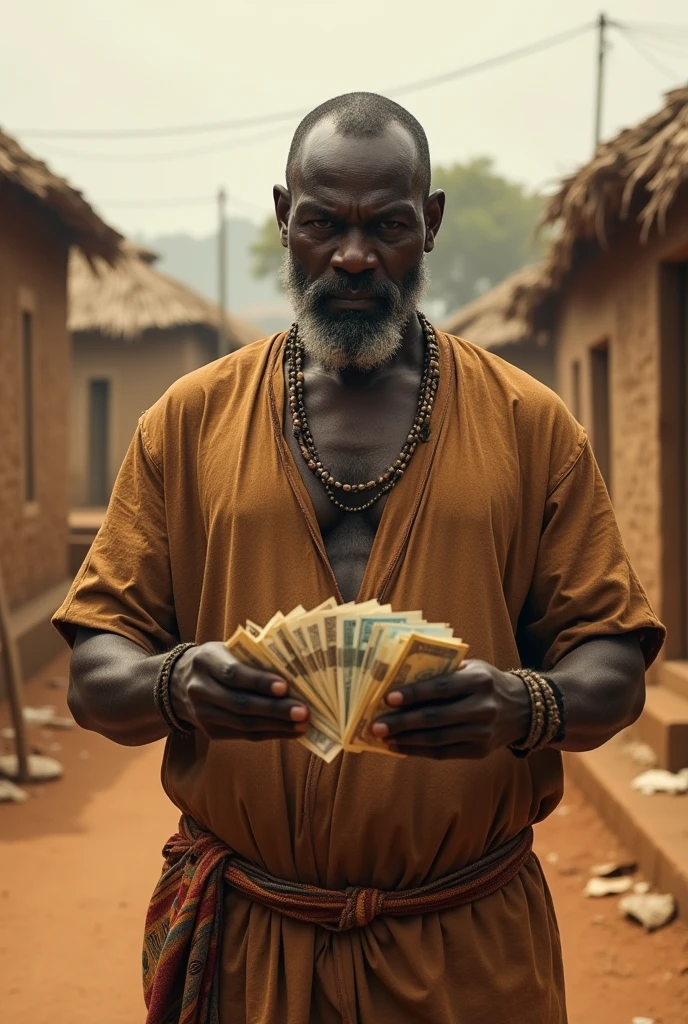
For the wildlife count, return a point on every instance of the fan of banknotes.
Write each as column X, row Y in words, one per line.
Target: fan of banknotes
column 341, row 660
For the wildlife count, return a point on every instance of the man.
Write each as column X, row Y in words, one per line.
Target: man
column 239, row 497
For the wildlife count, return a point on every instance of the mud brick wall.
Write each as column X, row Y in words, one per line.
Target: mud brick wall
column 616, row 298
column 33, row 276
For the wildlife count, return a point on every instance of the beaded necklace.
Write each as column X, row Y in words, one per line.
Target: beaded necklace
column 420, row 431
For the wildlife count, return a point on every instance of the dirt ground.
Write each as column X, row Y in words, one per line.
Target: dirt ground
column 79, row 859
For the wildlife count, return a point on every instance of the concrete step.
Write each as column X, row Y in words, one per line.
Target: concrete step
column 654, row 829
column 674, row 675
column 663, row 725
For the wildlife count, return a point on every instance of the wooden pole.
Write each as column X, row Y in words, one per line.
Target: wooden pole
column 222, row 336
column 12, row 676
column 602, row 24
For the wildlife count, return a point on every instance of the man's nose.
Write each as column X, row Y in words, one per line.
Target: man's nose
column 354, row 253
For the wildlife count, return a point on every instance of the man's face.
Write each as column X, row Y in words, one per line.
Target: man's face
column 356, row 226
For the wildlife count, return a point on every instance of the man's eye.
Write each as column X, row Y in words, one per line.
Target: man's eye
column 321, row 223
column 391, row 225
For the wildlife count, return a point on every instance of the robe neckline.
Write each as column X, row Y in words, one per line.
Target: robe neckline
column 403, row 502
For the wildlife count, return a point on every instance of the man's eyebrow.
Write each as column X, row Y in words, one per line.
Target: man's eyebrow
column 319, row 209
column 310, row 206
column 397, row 206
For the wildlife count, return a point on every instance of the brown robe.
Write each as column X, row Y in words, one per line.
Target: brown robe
column 501, row 527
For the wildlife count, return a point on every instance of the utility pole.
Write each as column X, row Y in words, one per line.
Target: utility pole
column 222, row 337
column 602, row 25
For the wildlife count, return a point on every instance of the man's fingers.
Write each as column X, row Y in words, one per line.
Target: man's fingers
column 433, row 717
column 224, row 667
column 462, row 683
column 204, row 689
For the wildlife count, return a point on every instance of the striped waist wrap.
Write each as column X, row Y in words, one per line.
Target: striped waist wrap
column 184, row 921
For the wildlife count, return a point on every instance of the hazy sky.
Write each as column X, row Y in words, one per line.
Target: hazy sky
column 86, row 64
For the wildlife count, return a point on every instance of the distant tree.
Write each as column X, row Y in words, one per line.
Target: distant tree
column 267, row 250
column 488, row 232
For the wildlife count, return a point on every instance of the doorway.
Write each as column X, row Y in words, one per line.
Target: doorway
column 601, row 411
column 673, row 437
column 98, row 442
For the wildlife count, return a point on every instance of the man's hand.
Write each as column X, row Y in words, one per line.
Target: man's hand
column 467, row 714
column 214, row 692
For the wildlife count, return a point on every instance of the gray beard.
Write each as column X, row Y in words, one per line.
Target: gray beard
column 352, row 338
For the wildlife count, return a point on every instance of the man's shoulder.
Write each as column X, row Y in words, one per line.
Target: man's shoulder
column 481, row 368
column 508, row 398
column 484, row 373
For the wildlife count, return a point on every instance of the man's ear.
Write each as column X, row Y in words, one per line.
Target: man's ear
column 282, row 207
column 434, row 211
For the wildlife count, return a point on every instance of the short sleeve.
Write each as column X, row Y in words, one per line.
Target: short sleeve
column 583, row 584
column 125, row 584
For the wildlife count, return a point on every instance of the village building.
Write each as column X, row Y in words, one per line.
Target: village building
column 134, row 332
column 492, row 322
column 41, row 216
column 614, row 294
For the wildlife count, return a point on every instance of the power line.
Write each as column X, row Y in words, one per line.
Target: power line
column 150, row 133
column 147, row 204
column 401, row 90
column 650, row 28
column 649, row 57
column 179, row 202
column 493, row 62
column 175, row 154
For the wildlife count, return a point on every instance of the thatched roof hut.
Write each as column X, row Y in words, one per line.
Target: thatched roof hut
column 491, row 321
column 131, row 298
column 635, row 177
column 494, row 322
column 91, row 234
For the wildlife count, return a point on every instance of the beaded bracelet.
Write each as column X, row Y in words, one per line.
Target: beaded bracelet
column 161, row 690
column 548, row 718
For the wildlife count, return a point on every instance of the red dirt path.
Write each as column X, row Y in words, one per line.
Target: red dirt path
column 78, row 862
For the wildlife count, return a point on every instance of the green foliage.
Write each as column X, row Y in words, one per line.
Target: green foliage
column 267, row 250
column 487, row 233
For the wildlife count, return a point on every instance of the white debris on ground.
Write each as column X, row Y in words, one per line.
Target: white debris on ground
column 657, row 780
column 47, row 716
column 643, row 1020
column 9, row 793
column 40, row 767
column 651, row 910
column 642, row 754
column 598, row 887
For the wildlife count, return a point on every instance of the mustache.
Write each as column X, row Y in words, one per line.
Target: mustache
column 342, row 281
column 345, row 281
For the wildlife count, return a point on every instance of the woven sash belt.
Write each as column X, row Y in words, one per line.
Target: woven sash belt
column 184, row 921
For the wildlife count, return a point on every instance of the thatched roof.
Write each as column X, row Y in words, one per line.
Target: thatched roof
column 635, row 176
column 490, row 320
column 133, row 297
column 88, row 231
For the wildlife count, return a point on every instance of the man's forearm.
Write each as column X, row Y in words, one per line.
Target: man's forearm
column 111, row 688
column 603, row 686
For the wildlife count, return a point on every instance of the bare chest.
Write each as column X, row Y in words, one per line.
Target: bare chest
column 358, row 436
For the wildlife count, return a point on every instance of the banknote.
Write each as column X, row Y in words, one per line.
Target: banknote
column 417, row 657
column 341, row 660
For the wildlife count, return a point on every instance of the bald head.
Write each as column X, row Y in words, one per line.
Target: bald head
column 365, row 115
